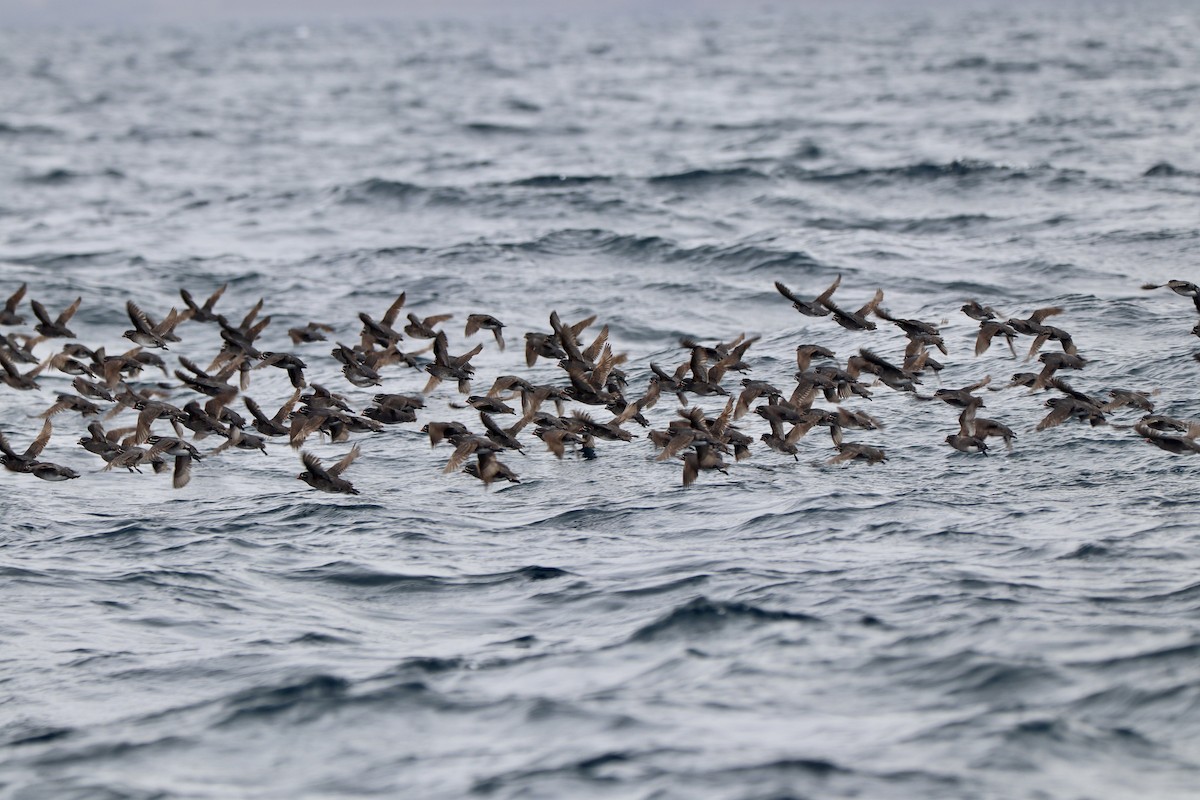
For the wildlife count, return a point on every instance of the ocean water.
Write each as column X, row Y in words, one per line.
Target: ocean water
column 941, row 625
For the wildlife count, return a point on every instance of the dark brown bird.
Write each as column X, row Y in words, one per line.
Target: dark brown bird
column 19, row 348
column 239, row 341
column 988, row 330
column 9, row 315
column 51, row 472
column 447, row 367
column 242, row 441
column 980, row 312
column 978, row 427
column 1128, row 397
column 423, row 328
column 965, row 443
column 66, row 363
column 444, row 431
column 87, row 388
column 1053, row 363
column 54, row 328
column 271, row 426
column 891, row 375
column 814, row 308
column 71, row 402
column 286, row 361
column 17, row 379
column 856, row 451
column 557, row 439
column 1057, row 334
column 543, row 345
column 328, row 480
column 382, row 333
column 961, row 398
column 1183, row 288
column 855, row 320
column 1032, row 326
column 477, row 322
column 1163, row 424
column 785, row 444
column 490, row 469
column 505, row 437
column 700, row 458
column 312, row 332
column 1179, row 445
column 489, row 404
column 147, row 333
column 1065, row 408
column 216, row 386
column 915, row 328
column 21, row 462
column 198, row 313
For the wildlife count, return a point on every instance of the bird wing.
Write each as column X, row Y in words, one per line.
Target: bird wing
column 39, row 444
column 313, row 464
column 17, row 296
column 394, row 310
column 69, row 312
column 346, row 460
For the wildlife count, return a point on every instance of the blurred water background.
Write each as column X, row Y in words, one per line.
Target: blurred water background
column 941, row 625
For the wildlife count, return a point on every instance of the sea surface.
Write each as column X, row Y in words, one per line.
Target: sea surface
column 941, row 625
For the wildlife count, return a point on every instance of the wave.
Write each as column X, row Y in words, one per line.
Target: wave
column 698, row 179
column 36, row 734
column 742, row 257
column 10, row 130
column 953, row 223
column 980, row 62
column 64, row 177
column 921, row 171
column 381, row 190
column 315, row 693
column 350, row 574
column 703, row 616
column 560, row 181
column 1165, row 169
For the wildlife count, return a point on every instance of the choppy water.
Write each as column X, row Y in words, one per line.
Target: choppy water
column 939, row 626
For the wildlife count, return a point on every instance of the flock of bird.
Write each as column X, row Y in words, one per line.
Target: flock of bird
column 201, row 402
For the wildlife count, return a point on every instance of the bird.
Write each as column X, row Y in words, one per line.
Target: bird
column 54, row 328
column 856, row 451
column 701, row 457
column 51, row 472
column 988, row 330
column 271, row 426
column 1179, row 445
column 854, row 320
column 13, row 377
column 967, row 443
column 419, row 328
column 9, row 315
column 292, row 364
column 145, row 332
column 382, row 333
column 975, row 310
column 814, row 308
column 21, row 462
column 477, row 322
column 71, row 402
column 447, row 367
column 328, row 480
column 198, row 313
column 1185, row 288
column 490, row 469
column 312, row 332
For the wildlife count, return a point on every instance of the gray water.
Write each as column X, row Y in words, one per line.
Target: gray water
column 941, row 625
